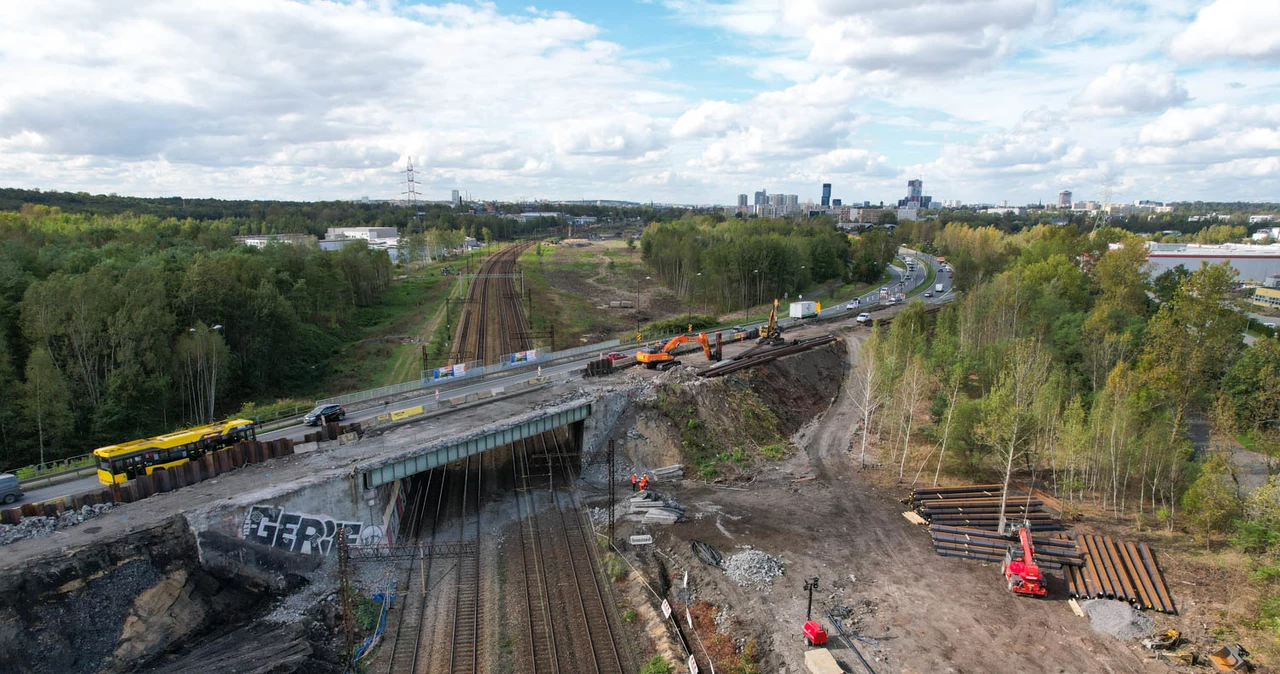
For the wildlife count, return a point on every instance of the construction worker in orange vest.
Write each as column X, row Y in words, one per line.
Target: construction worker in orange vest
column 644, row 482
column 633, row 481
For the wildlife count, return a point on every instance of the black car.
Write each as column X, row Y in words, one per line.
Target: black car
column 324, row 414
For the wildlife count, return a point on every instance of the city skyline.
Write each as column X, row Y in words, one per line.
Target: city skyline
column 673, row 101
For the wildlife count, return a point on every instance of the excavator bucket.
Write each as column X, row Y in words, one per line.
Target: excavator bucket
column 1162, row 641
column 1230, row 659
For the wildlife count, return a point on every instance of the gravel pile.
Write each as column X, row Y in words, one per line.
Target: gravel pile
column 1118, row 619
column 752, row 568
column 35, row 527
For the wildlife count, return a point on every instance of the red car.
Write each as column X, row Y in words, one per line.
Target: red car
column 614, row 355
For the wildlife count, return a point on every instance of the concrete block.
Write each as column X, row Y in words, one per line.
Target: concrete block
column 304, row 447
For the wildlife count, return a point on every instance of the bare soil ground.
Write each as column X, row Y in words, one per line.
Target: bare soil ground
column 574, row 286
column 823, row 518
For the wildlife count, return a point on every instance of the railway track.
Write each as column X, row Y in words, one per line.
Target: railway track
column 474, row 339
column 408, row 635
column 589, row 620
column 464, row 655
column 542, row 656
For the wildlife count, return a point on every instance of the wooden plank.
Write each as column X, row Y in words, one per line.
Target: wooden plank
column 913, row 518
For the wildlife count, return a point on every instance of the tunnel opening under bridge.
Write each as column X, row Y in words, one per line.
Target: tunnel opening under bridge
column 436, row 502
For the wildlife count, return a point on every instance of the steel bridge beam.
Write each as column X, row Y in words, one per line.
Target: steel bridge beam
column 439, row 454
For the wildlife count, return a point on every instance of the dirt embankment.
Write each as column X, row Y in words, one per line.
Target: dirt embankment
column 817, row 514
column 732, row 427
column 127, row 603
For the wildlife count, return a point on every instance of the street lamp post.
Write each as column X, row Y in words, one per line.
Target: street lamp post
column 209, row 373
column 647, row 278
column 697, row 289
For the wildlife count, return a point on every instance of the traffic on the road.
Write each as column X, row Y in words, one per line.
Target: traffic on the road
column 901, row 284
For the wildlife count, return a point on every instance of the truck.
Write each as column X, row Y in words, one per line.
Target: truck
column 937, row 288
column 803, row 309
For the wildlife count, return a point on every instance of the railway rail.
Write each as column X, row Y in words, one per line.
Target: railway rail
column 492, row 297
column 468, row 617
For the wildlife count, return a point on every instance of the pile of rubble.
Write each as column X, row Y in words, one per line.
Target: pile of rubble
column 752, row 568
column 1118, row 619
column 35, row 527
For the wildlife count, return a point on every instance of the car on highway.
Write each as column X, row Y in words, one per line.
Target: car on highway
column 863, row 317
column 324, row 414
column 614, row 355
column 853, row 304
column 10, row 490
column 928, row 293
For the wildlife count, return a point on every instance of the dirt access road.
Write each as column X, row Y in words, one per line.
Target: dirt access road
column 931, row 614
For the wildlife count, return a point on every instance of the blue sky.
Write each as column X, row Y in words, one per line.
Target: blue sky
column 686, row 101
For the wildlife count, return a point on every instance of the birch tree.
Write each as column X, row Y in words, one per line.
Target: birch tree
column 1007, row 420
column 868, row 381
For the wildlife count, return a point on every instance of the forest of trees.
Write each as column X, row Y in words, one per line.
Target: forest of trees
column 731, row 263
column 268, row 217
column 1057, row 364
column 116, row 327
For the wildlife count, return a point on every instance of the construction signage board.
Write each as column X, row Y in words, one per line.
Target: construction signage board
column 666, row 609
column 693, row 665
column 406, row 413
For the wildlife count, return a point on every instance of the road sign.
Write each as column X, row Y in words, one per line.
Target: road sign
column 666, row 609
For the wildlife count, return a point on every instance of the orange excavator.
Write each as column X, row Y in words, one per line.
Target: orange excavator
column 659, row 355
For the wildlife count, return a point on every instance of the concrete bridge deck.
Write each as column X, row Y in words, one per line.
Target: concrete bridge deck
column 327, row 485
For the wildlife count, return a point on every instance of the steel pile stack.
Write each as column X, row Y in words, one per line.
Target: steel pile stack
column 1119, row 570
column 978, row 507
column 989, row 546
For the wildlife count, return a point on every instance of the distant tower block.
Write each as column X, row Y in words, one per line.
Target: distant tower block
column 1064, row 199
column 826, row 195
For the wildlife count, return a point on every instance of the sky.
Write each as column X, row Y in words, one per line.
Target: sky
column 673, row 101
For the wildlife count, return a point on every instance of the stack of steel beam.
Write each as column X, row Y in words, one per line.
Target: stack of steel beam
column 978, row 507
column 1119, row 570
column 989, row 546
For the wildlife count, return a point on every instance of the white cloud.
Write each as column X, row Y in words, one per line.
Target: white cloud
column 1242, row 29
column 988, row 99
column 878, row 38
column 1132, row 88
column 339, row 90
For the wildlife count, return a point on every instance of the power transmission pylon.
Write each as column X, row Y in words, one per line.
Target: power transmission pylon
column 411, row 185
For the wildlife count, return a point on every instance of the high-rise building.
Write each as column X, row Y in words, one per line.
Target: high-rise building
column 835, row 203
column 915, row 196
column 826, row 195
column 1064, row 199
column 455, row 198
column 742, row 201
column 762, row 197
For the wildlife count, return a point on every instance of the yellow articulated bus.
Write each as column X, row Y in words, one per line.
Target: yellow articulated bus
column 127, row 460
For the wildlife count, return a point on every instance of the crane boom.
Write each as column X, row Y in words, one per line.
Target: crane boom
column 1022, row 573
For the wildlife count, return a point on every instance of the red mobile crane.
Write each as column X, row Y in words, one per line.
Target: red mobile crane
column 1022, row 573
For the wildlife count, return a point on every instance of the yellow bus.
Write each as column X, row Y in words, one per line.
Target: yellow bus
column 127, row 460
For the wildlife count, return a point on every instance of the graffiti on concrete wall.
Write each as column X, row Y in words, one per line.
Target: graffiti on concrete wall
column 301, row 532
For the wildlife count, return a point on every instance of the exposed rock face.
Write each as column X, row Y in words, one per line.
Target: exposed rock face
column 113, row 606
column 163, row 613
